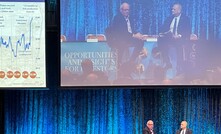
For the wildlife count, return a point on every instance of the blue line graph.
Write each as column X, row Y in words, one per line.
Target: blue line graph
column 19, row 43
column 22, row 44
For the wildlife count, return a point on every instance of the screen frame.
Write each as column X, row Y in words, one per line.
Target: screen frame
column 146, row 86
column 45, row 57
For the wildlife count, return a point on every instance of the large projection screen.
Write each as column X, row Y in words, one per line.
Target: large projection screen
column 87, row 59
column 22, row 44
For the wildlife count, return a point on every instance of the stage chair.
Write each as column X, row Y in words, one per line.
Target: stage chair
column 95, row 38
column 63, row 38
column 91, row 36
column 101, row 37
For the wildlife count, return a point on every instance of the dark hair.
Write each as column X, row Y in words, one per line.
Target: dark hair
column 87, row 65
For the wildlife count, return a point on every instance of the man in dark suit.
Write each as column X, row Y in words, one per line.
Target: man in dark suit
column 121, row 34
column 149, row 128
column 174, row 34
column 183, row 129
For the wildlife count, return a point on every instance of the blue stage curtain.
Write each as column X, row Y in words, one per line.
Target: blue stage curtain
column 82, row 17
column 112, row 111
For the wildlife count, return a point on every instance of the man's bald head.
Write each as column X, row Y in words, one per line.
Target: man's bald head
column 176, row 9
column 125, row 9
column 150, row 124
column 183, row 125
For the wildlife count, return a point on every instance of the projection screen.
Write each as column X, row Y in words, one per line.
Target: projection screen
column 22, row 44
column 89, row 59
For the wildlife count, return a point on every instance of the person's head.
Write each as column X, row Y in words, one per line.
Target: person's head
column 176, row 9
column 150, row 124
column 87, row 66
column 183, row 125
column 125, row 9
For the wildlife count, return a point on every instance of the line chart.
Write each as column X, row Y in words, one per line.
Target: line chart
column 22, row 44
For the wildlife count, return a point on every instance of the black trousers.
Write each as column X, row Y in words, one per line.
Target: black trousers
column 165, row 44
column 123, row 47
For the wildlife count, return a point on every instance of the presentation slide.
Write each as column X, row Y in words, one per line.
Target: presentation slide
column 22, row 43
column 143, row 43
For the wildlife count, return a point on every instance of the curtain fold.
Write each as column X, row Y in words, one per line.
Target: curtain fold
column 110, row 111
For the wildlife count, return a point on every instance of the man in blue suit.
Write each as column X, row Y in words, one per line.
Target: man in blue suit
column 175, row 33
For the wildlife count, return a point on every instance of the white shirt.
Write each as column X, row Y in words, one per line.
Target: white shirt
column 151, row 130
column 128, row 25
column 172, row 24
column 183, row 131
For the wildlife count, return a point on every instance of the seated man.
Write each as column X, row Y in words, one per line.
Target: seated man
column 149, row 128
column 175, row 33
column 121, row 35
column 183, row 129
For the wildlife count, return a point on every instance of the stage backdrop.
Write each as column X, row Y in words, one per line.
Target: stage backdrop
column 82, row 17
column 112, row 111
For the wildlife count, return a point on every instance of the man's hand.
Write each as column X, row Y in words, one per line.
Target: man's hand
column 177, row 36
column 138, row 36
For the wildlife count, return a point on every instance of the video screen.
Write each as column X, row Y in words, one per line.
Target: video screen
column 22, row 43
column 115, row 43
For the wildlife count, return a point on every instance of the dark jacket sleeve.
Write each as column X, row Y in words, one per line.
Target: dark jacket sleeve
column 145, row 131
column 166, row 25
column 184, row 27
column 119, row 28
